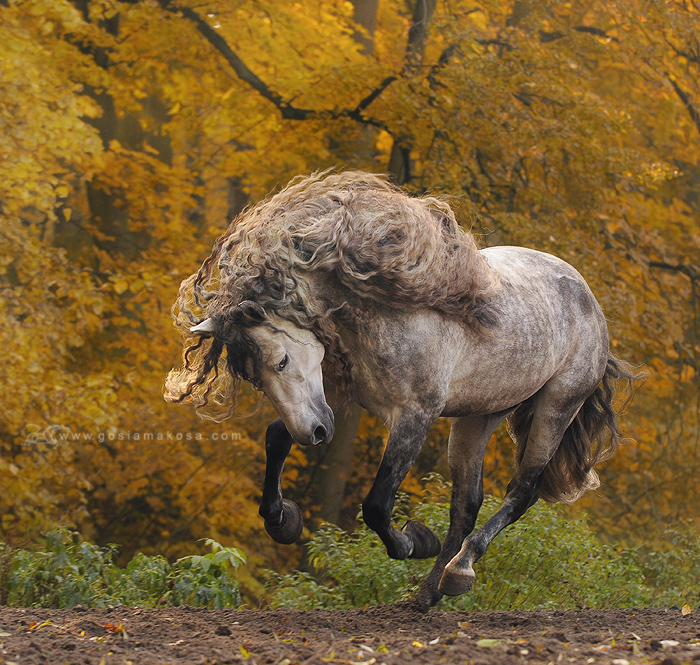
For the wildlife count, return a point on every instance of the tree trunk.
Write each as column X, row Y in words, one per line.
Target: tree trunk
column 336, row 459
column 366, row 16
column 335, row 464
column 400, row 159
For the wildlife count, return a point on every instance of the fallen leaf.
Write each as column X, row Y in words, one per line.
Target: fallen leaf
column 669, row 643
column 417, row 644
column 35, row 625
column 686, row 610
column 488, row 643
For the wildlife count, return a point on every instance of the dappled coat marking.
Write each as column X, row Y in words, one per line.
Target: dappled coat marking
column 342, row 287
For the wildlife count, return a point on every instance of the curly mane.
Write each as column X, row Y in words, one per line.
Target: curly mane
column 380, row 243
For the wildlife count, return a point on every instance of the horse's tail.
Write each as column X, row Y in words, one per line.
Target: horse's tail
column 592, row 437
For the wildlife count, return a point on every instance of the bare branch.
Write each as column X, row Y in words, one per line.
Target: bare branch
column 685, row 98
column 546, row 37
column 688, row 270
column 375, row 93
column 595, row 31
column 242, row 71
column 287, row 110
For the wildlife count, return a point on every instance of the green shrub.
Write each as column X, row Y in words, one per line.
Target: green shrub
column 673, row 576
column 66, row 571
column 542, row 561
column 545, row 561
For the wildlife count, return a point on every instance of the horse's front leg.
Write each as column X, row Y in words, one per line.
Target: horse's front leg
column 282, row 517
column 415, row 540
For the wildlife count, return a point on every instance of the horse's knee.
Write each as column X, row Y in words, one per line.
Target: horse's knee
column 276, row 432
column 375, row 516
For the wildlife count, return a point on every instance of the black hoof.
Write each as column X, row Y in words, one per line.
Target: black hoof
column 428, row 596
column 289, row 529
column 425, row 542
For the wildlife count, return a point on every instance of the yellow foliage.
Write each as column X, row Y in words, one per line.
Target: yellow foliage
column 126, row 145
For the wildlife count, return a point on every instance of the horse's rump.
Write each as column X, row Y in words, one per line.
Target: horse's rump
column 592, row 437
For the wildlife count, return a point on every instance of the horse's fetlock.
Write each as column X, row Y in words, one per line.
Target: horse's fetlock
column 425, row 543
column 272, row 513
column 399, row 547
column 288, row 529
column 473, row 549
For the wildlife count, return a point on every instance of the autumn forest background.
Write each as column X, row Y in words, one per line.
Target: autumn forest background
column 132, row 132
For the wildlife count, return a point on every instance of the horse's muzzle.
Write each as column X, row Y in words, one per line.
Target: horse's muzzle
column 323, row 432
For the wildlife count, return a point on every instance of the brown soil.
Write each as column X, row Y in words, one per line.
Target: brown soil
column 390, row 634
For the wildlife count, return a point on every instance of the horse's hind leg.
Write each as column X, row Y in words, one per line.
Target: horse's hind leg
column 550, row 420
column 406, row 438
column 282, row 517
column 469, row 437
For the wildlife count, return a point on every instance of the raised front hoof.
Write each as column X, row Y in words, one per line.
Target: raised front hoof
column 456, row 581
column 425, row 543
column 289, row 530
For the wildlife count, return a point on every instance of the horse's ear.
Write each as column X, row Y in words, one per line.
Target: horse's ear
column 203, row 327
column 251, row 311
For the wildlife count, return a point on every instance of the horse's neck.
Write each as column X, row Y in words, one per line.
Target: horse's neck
column 348, row 309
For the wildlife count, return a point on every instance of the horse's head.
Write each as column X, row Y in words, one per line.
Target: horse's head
column 281, row 359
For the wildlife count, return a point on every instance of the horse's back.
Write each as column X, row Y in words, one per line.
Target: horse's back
column 545, row 290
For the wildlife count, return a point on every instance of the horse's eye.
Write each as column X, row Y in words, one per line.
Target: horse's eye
column 282, row 363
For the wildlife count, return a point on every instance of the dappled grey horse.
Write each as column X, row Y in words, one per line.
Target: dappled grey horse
column 343, row 288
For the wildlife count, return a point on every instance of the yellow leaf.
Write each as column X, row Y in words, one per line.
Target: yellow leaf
column 686, row 610
column 150, row 149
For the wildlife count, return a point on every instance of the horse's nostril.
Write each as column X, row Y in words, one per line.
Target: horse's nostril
column 319, row 434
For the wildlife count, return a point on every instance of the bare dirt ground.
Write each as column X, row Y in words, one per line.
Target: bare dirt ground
column 389, row 634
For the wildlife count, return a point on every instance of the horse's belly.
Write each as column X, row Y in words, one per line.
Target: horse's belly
column 494, row 393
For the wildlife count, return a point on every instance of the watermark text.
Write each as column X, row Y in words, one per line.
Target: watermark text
column 55, row 435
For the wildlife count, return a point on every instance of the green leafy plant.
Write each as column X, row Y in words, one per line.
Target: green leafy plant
column 542, row 561
column 204, row 580
column 672, row 576
column 67, row 571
